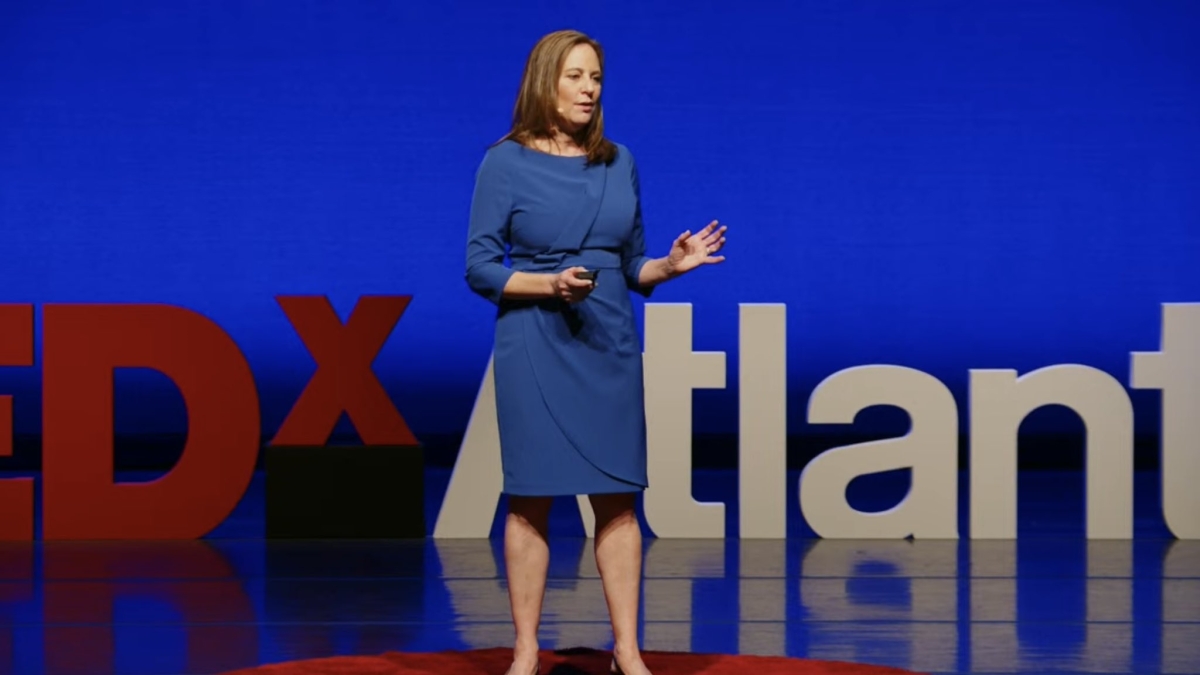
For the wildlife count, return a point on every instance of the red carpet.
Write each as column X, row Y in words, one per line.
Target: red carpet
column 563, row 662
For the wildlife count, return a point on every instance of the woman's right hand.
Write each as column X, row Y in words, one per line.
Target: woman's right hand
column 570, row 288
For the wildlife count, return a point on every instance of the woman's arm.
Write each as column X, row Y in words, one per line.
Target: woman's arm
column 655, row 271
column 530, row 285
column 487, row 241
column 642, row 273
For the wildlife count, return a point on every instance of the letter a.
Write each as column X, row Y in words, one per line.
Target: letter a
column 476, row 481
column 931, row 507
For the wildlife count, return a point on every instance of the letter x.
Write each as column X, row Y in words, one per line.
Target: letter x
column 344, row 380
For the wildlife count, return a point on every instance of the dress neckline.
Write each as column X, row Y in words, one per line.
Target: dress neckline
column 543, row 153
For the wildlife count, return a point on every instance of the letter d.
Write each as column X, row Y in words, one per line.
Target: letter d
column 83, row 345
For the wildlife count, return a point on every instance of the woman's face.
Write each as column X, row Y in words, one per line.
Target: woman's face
column 579, row 87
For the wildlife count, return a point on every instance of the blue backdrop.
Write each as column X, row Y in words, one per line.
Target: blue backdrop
column 940, row 185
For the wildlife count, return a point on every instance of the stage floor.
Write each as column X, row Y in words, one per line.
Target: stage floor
column 1048, row 602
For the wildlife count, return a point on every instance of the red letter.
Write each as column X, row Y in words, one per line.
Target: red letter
column 83, row 344
column 16, row 494
column 344, row 380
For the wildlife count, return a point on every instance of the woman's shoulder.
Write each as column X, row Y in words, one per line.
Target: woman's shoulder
column 499, row 160
column 502, row 151
column 623, row 155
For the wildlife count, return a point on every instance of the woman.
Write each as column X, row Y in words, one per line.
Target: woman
column 563, row 202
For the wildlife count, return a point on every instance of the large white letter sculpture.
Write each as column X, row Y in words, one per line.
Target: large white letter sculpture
column 762, row 422
column 469, row 507
column 672, row 370
column 930, row 449
column 1176, row 371
column 1000, row 401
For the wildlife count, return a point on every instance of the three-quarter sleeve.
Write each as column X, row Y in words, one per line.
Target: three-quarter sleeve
column 487, row 237
column 633, row 254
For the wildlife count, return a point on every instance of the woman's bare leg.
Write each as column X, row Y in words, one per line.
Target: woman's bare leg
column 527, row 558
column 619, row 558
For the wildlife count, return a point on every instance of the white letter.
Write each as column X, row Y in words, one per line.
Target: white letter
column 762, row 421
column 1000, row 401
column 931, row 448
column 476, row 481
column 1176, row 371
column 672, row 370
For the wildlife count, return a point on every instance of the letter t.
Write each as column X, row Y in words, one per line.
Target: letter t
column 1176, row 371
column 672, row 370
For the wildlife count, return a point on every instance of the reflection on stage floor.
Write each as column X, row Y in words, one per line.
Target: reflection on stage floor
column 1050, row 603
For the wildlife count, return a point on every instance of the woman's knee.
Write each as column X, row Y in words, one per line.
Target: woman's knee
column 534, row 510
column 613, row 507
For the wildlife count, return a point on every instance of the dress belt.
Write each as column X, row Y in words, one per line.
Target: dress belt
column 592, row 259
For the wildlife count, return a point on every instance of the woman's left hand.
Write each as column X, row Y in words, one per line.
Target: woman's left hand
column 693, row 250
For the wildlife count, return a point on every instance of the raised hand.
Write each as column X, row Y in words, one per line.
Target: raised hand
column 690, row 251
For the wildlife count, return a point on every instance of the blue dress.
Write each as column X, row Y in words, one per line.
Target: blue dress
column 568, row 377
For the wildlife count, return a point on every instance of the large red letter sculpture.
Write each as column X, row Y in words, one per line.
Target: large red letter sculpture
column 16, row 494
column 82, row 346
column 344, row 380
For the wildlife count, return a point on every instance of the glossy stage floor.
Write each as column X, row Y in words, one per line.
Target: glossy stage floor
column 1048, row 602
